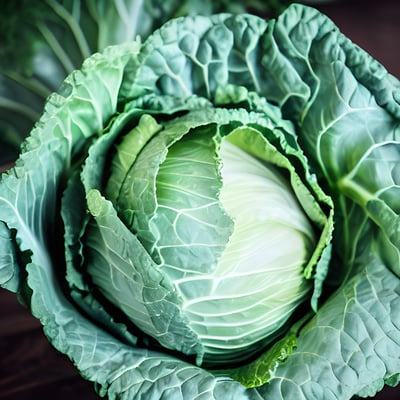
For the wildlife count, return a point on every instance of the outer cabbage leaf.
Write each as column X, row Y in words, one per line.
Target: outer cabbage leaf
column 295, row 62
column 344, row 94
column 10, row 270
column 30, row 189
column 358, row 352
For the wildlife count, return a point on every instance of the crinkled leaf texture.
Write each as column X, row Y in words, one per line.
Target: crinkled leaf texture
column 343, row 105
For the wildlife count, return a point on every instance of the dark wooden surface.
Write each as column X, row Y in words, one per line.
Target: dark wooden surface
column 373, row 25
column 31, row 369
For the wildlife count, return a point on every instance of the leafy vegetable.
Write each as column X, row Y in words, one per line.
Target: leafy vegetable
column 110, row 234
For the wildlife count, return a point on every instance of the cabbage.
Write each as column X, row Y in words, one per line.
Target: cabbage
column 212, row 214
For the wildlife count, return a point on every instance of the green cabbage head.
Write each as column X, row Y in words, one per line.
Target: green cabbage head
column 214, row 214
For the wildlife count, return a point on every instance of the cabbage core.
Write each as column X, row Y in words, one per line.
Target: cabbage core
column 258, row 281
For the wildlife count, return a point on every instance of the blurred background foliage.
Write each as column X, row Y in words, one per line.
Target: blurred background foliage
column 42, row 43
